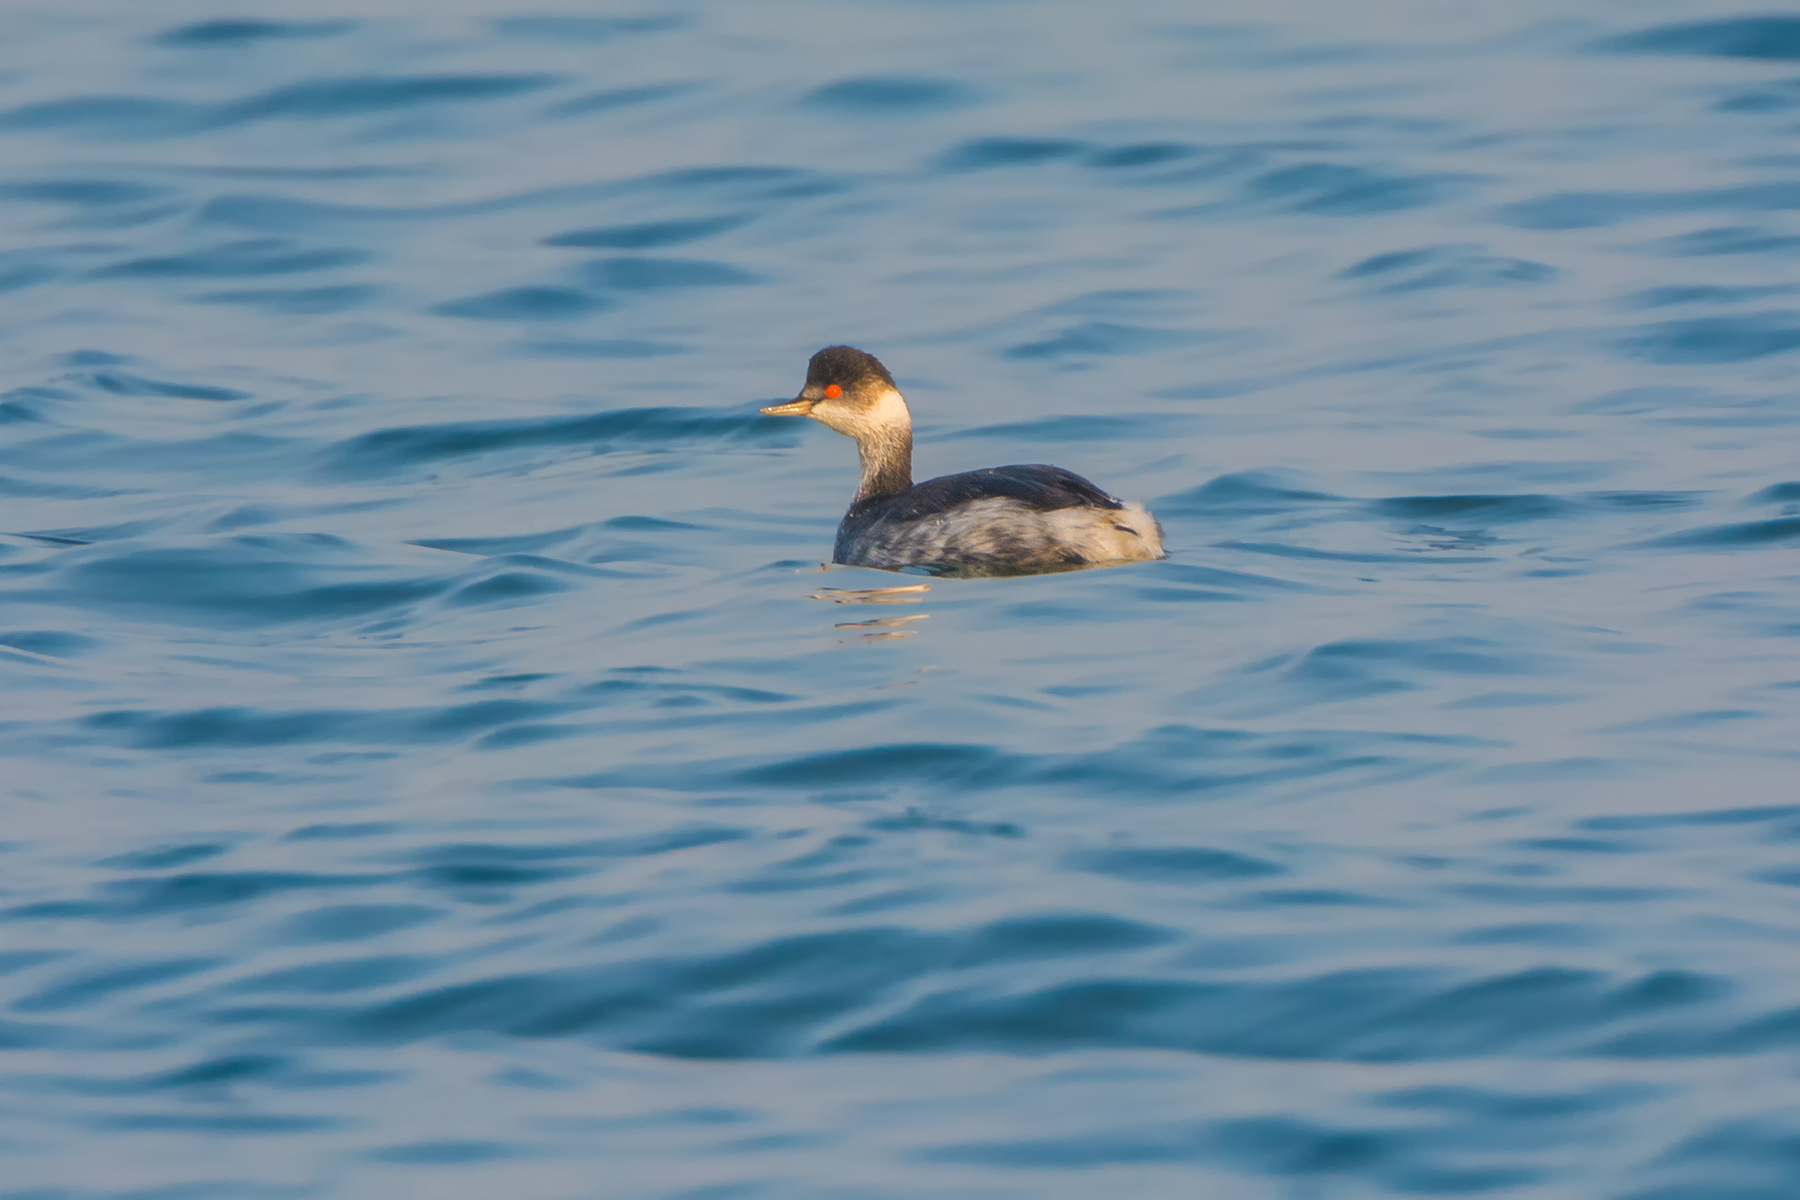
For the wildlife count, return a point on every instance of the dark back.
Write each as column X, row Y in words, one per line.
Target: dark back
column 1035, row 485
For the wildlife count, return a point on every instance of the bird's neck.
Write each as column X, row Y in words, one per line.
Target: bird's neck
column 884, row 444
column 886, row 455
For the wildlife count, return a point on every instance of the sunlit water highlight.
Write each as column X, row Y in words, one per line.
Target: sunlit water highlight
column 437, row 764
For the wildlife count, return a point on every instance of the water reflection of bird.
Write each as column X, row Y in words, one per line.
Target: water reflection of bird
column 999, row 521
column 878, row 629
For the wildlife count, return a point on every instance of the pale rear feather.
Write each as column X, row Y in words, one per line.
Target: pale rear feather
column 1128, row 534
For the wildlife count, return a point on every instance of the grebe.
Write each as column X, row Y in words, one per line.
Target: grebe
column 1000, row 521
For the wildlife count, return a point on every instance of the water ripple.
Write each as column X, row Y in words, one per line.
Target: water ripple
column 1773, row 38
column 433, row 741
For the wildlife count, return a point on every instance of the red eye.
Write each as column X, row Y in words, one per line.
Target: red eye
column 833, row 391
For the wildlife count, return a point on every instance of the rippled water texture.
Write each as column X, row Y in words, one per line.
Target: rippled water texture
column 435, row 763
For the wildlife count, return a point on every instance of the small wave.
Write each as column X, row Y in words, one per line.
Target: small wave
column 241, row 581
column 1727, row 240
column 141, row 117
column 1594, row 210
column 1771, row 38
column 288, row 215
column 1086, row 427
column 987, row 153
column 876, row 95
column 1172, row 864
column 1778, row 493
column 359, row 95
column 746, row 185
column 599, row 348
column 591, row 30
column 664, row 274
column 234, row 33
column 1779, row 98
column 353, row 922
column 1699, row 295
column 226, row 728
column 1133, row 155
column 1106, row 338
column 1244, row 493
column 1191, row 578
column 303, row 302
column 117, row 117
column 1433, row 267
column 231, row 260
column 1343, row 190
column 121, row 384
column 532, row 303
column 1178, row 761
column 84, row 193
column 630, row 539
column 89, row 987
column 52, row 643
column 1351, row 668
column 507, row 588
column 1743, row 535
column 649, row 235
column 21, row 269
column 1343, row 1015
column 1486, row 508
column 612, row 99
column 386, row 450
column 1710, row 340
column 940, row 765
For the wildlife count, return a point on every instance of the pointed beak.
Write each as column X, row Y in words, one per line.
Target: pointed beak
column 797, row 407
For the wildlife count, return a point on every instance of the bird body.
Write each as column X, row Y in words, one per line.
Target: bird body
column 1010, row 520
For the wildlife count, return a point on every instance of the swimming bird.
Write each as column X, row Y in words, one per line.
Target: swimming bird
column 1017, row 520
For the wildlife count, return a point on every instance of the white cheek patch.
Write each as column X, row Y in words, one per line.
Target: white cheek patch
column 889, row 410
column 860, row 420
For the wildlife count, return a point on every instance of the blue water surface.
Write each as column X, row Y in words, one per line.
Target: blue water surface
column 435, row 762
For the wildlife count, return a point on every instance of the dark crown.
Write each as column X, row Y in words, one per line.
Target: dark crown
column 845, row 366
